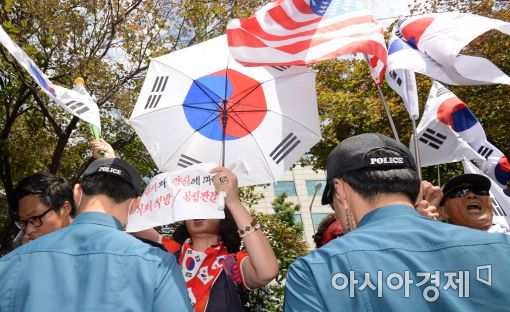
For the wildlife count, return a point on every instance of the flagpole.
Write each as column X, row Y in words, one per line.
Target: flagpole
column 438, row 175
column 388, row 113
column 381, row 94
column 96, row 132
column 416, row 149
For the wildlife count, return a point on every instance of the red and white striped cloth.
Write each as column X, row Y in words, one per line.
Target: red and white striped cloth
column 289, row 32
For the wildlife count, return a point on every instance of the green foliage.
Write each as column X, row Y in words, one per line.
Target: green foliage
column 249, row 197
column 286, row 239
column 109, row 44
column 284, row 212
column 349, row 103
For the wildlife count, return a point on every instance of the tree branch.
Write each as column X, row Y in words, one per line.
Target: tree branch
column 45, row 111
column 61, row 144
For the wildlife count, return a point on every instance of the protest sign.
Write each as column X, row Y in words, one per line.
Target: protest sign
column 178, row 195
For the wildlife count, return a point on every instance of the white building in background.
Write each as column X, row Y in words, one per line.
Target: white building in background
column 300, row 184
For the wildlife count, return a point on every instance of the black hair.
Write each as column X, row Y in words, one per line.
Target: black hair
column 228, row 233
column 369, row 183
column 53, row 191
column 372, row 182
column 108, row 184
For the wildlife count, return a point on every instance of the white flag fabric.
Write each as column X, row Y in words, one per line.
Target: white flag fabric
column 455, row 113
column 377, row 68
column 71, row 100
column 178, row 195
column 498, row 168
column 402, row 55
column 441, row 36
column 438, row 131
column 403, row 81
column 501, row 202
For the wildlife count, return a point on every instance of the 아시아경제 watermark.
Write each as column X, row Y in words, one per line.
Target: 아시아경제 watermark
column 429, row 283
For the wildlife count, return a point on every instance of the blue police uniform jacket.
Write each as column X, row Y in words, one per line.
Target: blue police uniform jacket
column 398, row 260
column 91, row 265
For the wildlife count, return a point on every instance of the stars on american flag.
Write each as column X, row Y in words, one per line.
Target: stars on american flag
column 334, row 7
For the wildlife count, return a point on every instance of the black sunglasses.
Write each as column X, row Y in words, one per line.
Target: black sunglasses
column 465, row 190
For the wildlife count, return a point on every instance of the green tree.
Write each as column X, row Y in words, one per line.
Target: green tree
column 349, row 103
column 107, row 42
column 284, row 212
column 286, row 238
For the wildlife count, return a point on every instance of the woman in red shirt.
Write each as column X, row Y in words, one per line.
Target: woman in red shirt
column 215, row 270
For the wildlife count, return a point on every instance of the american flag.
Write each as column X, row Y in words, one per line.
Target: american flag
column 302, row 32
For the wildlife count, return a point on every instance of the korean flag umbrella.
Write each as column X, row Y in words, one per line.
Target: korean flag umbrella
column 199, row 105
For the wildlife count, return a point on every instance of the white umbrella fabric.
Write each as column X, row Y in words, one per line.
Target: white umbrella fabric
column 199, row 105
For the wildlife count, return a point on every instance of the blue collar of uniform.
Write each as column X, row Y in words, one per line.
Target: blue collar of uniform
column 98, row 218
column 387, row 212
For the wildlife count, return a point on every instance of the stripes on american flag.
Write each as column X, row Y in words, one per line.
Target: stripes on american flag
column 290, row 32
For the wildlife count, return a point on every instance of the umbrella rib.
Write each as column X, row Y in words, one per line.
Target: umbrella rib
column 200, row 85
column 296, row 122
column 242, row 124
column 250, row 111
column 185, row 140
column 263, row 82
column 242, row 98
column 202, row 108
column 207, row 123
column 268, row 166
column 283, row 116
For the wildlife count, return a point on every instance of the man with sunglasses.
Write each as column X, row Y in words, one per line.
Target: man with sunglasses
column 44, row 203
column 391, row 258
column 466, row 202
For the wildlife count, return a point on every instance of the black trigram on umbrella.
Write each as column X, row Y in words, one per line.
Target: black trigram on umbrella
column 433, row 138
column 284, row 148
column 441, row 91
column 280, row 68
column 77, row 107
column 186, row 161
column 485, row 151
column 395, row 77
column 157, row 89
column 498, row 211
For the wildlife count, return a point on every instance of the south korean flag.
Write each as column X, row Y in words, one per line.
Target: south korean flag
column 191, row 263
column 439, row 131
